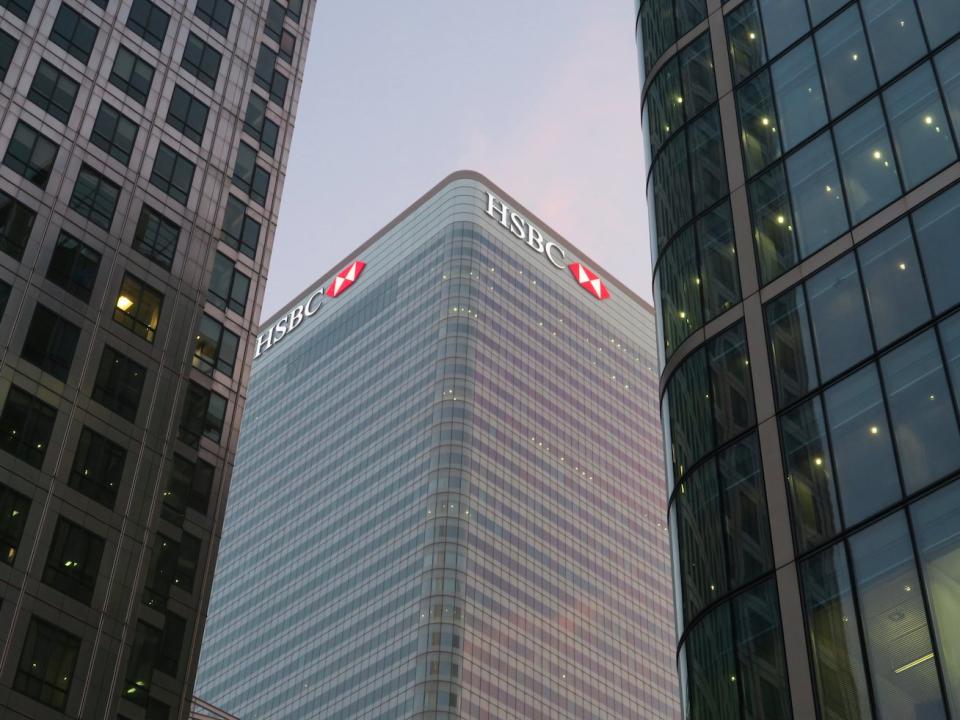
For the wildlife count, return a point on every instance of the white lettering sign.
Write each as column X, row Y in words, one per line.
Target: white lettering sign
column 525, row 230
column 289, row 322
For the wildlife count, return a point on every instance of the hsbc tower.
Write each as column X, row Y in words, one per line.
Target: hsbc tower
column 448, row 498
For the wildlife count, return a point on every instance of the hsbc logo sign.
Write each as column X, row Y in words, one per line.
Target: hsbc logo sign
column 308, row 308
column 531, row 235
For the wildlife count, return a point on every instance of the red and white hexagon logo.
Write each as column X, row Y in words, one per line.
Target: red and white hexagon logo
column 346, row 277
column 589, row 281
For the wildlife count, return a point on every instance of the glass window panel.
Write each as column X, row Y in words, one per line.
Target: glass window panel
column 691, row 422
column 656, row 19
column 822, row 9
column 936, row 224
column 834, row 638
column 806, row 453
column 758, row 121
column 938, row 543
column 14, row 509
column 47, row 664
column 950, row 336
column 924, row 423
column 671, row 183
column 866, row 469
column 894, row 283
column 919, row 124
column 689, row 14
column 745, row 512
column 731, row 392
column 791, row 346
column 839, row 317
column 948, row 70
column 895, row 35
column 772, row 224
column 711, row 669
column 940, row 19
column 842, row 47
column 870, row 175
column 50, row 343
column 899, row 651
column 703, row 569
column 819, row 211
column 783, row 22
column 679, row 291
column 73, row 561
column 796, row 85
column 696, row 72
column 745, row 37
column 16, row 222
column 763, row 665
column 720, row 274
column 708, row 169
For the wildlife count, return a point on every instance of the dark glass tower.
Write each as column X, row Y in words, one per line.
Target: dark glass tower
column 142, row 151
column 448, row 498
column 804, row 214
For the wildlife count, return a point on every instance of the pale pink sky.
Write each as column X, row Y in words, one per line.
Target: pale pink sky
column 541, row 96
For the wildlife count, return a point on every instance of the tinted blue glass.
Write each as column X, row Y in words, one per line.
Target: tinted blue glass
column 947, row 62
column 708, row 169
column 924, row 423
column 839, row 317
column 796, row 85
column 772, row 224
column 921, row 135
column 791, row 346
column 940, row 19
column 745, row 37
column 821, row 9
column 936, row 226
column 950, row 337
column 842, row 47
column 870, row 175
column 783, row 22
column 896, row 37
column 758, row 124
column 763, row 667
column 819, row 213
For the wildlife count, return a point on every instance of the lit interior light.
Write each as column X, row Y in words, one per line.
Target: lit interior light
column 877, row 154
column 752, row 36
column 907, row 588
column 902, row 266
column 874, row 430
column 902, row 668
column 679, row 100
column 928, row 120
column 828, row 188
column 818, row 461
column 781, row 219
column 683, row 315
column 124, row 303
column 855, row 57
column 764, row 121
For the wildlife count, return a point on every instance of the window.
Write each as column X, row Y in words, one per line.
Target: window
column 119, row 384
column 216, row 347
column 8, row 46
column 114, row 133
column 73, row 561
column 215, row 13
column 31, row 154
column 156, row 237
column 273, row 27
column 201, row 60
column 745, row 37
column 250, row 177
column 228, row 286
column 53, row 91
column 709, row 662
column 939, row 19
column 295, row 7
column 149, row 22
column 259, row 126
column 772, row 224
column 758, row 118
column 819, row 212
column 918, row 121
column 171, row 648
column 189, row 487
column 143, row 660
column 796, row 86
column 138, row 307
column 924, row 422
column 839, row 317
column 16, row 221
column 842, row 46
column 94, row 197
column 13, row 519
column 172, row 173
column 187, row 114
column 132, row 75
column 936, row 224
column 708, row 168
column 268, row 77
column 240, row 231
column 5, row 289
column 678, row 281
column 172, row 564
column 97, row 467
column 20, row 8
column 731, row 387
column 26, row 425
column 896, row 37
column 50, row 343
column 783, row 22
column 288, row 44
column 47, row 663
column 74, row 266
column 74, row 33
column 203, row 415
column 870, row 176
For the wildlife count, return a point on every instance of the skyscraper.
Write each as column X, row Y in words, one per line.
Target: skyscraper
column 803, row 167
column 142, row 151
column 448, row 498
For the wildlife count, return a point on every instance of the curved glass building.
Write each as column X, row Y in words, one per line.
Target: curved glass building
column 448, row 498
column 805, row 225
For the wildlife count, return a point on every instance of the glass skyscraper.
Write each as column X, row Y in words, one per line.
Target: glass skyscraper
column 142, row 153
column 448, row 498
column 805, row 223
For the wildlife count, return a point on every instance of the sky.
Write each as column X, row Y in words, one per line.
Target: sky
column 541, row 96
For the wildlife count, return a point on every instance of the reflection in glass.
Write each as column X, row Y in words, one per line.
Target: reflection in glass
column 938, row 542
column 796, row 85
column 763, row 666
column 664, row 106
column 791, row 346
column 708, row 169
column 783, row 22
column 701, row 541
column 948, row 70
column 899, row 652
column 819, row 212
column 745, row 512
column 924, row 423
column 842, row 47
column 689, row 14
column 696, row 71
column 671, row 184
column 734, row 411
column 718, row 256
column 711, row 669
column 772, row 224
column 839, row 317
column 936, row 226
column 758, row 123
column 921, row 135
column 895, row 35
column 679, row 291
column 746, row 40
column 940, row 19
column 834, row 642
column 870, row 174
column 950, row 336
column 806, row 454
column 894, row 284
column 867, row 476
column 691, row 426
column 820, row 9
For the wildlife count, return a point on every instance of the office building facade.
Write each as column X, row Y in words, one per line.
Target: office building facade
column 802, row 186
column 142, row 149
column 447, row 500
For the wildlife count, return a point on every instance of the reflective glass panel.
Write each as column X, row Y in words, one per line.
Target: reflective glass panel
column 783, row 22
column 895, row 35
column 758, row 123
column 671, row 182
column 839, row 317
column 731, row 391
column 691, row 423
column 796, row 85
column 708, row 169
column 948, row 70
column 772, row 224
column 702, row 564
column 820, row 9
column 720, row 279
column 696, row 71
column 950, row 336
column 746, row 40
column 745, row 510
column 819, row 212
column 679, row 291
column 940, row 19
column 711, row 669
column 842, row 47
column 763, row 666
column 791, row 346
column 936, row 226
